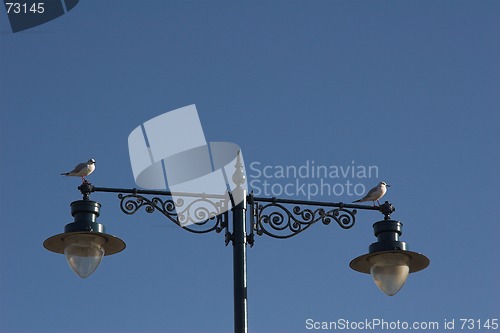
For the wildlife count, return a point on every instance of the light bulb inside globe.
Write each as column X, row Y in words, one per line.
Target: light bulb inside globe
column 84, row 253
column 389, row 271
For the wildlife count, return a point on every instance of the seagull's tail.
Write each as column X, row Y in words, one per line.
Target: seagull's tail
column 356, row 201
column 65, row 174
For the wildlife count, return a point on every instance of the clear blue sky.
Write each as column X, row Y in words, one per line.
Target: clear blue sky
column 412, row 87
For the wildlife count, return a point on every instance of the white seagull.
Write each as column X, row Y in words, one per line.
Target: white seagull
column 82, row 170
column 375, row 193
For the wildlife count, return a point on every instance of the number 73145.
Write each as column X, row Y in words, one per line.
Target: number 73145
column 475, row 324
column 24, row 8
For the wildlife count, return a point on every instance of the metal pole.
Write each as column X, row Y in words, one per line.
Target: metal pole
column 240, row 267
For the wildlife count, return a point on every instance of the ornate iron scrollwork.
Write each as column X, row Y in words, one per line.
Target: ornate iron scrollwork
column 277, row 219
column 202, row 213
column 200, row 216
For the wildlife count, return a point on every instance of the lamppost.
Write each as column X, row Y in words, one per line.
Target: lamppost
column 85, row 242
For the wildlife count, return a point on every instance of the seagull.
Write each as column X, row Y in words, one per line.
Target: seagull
column 375, row 193
column 82, row 170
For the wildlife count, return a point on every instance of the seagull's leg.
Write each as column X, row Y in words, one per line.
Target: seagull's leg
column 378, row 202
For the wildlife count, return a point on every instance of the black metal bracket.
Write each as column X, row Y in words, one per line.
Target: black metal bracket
column 213, row 219
column 274, row 217
column 281, row 218
column 284, row 218
column 209, row 212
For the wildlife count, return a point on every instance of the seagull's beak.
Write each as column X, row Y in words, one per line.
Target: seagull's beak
column 387, row 185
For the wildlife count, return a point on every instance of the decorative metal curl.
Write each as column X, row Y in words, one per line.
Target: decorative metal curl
column 131, row 203
column 199, row 216
column 344, row 218
column 283, row 222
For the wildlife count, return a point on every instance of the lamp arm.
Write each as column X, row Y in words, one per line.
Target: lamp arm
column 274, row 217
column 208, row 211
column 285, row 218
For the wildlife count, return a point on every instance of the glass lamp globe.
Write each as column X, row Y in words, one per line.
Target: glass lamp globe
column 84, row 253
column 389, row 271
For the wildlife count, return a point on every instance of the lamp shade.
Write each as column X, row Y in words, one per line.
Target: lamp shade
column 389, row 261
column 84, row 242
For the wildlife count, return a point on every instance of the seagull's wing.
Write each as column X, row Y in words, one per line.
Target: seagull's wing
column 78, row 168
column 371, row 192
